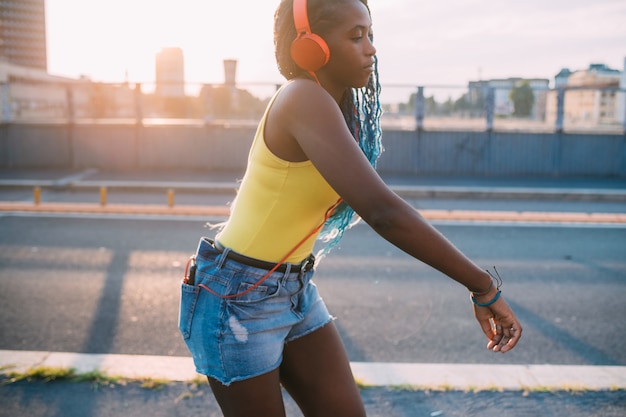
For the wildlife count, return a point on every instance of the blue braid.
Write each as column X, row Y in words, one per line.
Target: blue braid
column 361, row 109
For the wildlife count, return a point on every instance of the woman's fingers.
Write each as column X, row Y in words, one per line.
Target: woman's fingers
column 510, row 336
column 499, row 325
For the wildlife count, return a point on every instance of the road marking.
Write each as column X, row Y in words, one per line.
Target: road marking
column 425, row 376
column 65, row 181
column 217, row 219
column 221, row 211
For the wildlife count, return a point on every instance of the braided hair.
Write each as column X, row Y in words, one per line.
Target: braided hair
column 360, row 106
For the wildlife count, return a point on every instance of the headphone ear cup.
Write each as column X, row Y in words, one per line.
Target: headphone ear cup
column 310, row 52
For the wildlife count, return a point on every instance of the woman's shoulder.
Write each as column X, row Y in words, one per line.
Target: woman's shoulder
column 301, row 86
column 300, row 94
column 299, row 109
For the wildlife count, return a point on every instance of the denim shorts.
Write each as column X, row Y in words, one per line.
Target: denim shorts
column 233, row 339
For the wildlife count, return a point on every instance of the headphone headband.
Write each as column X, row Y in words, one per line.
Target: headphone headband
column 301, row 17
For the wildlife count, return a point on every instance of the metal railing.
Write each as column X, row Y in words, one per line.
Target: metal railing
column 406, row 107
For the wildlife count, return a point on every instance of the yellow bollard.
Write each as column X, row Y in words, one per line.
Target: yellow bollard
column 37, row 195
column 103, row 196
column 170, row 197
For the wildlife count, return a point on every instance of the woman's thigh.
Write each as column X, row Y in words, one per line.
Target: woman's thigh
column 259, row 396
column 316, row 373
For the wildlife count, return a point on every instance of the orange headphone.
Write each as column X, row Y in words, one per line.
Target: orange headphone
column 309, row 51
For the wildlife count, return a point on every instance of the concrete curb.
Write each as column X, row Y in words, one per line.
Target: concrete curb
column 91, row 208
column 510, row 193
column 220, row 211
column 425, row 376
column 405, row 191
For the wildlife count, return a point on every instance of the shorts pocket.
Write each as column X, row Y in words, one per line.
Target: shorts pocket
column 188, row 300
column 247, row 293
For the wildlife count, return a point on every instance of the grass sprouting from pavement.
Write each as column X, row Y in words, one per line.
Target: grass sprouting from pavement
column 99, row 379
column 96, row 377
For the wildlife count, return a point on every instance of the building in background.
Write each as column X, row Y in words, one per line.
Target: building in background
column 621, row 98
column 591, row 97
column 502, row 88
column 23, row 52
column 560, row 80
column 169, row 95
column 23, row 33
column 230, row 72
column 227, row 101
column 170, row 73
column 27, row 91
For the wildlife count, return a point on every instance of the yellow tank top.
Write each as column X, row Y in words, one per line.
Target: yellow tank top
column 278, row 204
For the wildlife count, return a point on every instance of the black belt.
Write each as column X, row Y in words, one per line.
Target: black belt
column 305, row 265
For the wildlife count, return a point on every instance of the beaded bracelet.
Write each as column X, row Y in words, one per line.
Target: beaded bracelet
column 487, row 304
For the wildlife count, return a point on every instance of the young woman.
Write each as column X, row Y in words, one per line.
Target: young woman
column 251, row 317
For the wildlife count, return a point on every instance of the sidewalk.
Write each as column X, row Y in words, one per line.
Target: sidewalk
column 168, row 386
column 461, row 377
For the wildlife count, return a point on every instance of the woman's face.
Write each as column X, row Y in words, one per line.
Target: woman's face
column 351, row 50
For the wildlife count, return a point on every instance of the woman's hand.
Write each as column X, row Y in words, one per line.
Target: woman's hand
column 498, row 322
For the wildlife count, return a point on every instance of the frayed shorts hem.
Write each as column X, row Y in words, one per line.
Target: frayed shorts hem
column 311, row 330
column 228, row 381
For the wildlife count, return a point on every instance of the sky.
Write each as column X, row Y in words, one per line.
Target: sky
column 419, row 42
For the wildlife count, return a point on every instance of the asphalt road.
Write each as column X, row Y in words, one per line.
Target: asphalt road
column 96, row 284
column 109, row 284
column 69, row 399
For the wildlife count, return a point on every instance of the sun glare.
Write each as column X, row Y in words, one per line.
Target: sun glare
column 439, row 42
column 114, row 40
